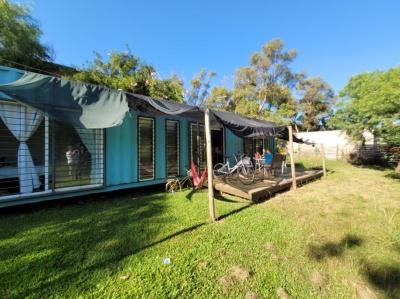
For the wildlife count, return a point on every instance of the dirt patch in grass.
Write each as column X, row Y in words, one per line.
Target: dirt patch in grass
column 283, row 294
column 241, row 273
column 238, row 274
column 319, row 279
column 252, row 295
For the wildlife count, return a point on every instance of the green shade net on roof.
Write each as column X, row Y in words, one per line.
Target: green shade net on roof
column 81, row 104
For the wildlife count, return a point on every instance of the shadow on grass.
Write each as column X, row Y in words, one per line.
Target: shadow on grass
column 219, row 197
column 384, row 277
column 235, row 211
column 193, row 191
column 94, row 236
column 332, row 249
column 393, row 175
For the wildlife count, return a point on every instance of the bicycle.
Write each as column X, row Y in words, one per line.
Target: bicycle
column 173, row 185
column 243, row 167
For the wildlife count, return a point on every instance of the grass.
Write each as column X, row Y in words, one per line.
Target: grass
column 337, row 237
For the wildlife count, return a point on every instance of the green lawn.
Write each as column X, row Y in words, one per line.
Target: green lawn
column 337, row 237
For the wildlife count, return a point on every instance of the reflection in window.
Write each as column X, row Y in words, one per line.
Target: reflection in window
column 42, row 155
column 146, row 148
column 172, row 148
column 197, row 145
column 77, row 156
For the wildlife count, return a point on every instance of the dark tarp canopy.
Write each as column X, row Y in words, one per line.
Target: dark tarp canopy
column 248, row 127
column 91, row 106
column 241, row 126
column 80, row 104
column 158, row 107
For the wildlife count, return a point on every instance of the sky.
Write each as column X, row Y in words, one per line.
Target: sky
column 335, row 40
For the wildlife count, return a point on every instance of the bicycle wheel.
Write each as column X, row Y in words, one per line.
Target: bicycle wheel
column 246, row 174
column 186, row 182
column 172, row 186
column 219, row 170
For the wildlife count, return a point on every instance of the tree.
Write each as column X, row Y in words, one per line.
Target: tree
column 19, row 38
column 169, row 89
column 127, row 72
column 268, row 78
column 317, row 99
column 219, row 99
column 370, row 101
column 199, row 88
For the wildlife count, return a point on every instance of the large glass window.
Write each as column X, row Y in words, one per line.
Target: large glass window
column 77, row 156
column 172, row 148
column 42, row 155
column 251, row 146
column 146, row 148
column 22, row 149
column 198, row 145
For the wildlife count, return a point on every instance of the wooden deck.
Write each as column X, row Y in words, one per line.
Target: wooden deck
column 263, row 188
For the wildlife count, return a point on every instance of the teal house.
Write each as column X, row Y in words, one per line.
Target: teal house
column 61, row 139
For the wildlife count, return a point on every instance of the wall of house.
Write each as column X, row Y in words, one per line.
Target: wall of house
column 234, row 145
column 122, row 151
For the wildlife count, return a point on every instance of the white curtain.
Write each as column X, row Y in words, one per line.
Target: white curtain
column 23, row 122
column 93, row 140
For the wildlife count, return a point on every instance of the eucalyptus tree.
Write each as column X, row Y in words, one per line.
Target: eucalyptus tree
column 20, row 35
column 218, row 99
column 199, row 87
column 128, row 72
column 171, row 89
column 268, row 78
column 316, row 102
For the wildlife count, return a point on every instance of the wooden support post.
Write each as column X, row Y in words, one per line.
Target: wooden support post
column 209, row 165
column 292, row 167
column 323, row 158
column 337, row 152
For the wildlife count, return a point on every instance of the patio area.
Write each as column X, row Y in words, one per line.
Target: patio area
column 263, row 188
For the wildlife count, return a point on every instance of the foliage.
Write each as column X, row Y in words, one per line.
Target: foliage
column 324, row 240
column 199, row 87
column 169, row 89
column 219, row 99
column 316, row 102
column 370, row 101
column 20, row 35
column 268, row 80
column 127, row 72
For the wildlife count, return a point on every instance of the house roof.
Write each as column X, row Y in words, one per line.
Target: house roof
column 91, row 106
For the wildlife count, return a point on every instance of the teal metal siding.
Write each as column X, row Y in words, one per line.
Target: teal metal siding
column 233, row 146
column 271, row 144
column 160, row 165
column 122, row 151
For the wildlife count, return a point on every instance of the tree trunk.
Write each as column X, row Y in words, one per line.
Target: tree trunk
column 398, row 167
